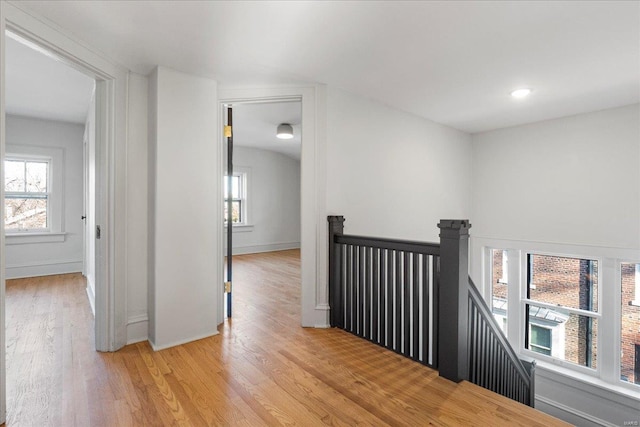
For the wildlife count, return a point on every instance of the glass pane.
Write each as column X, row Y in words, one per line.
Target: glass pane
column 235, row 187
column 569, row 282
column 235, row 211
column 25, row 214
column 499, row 286
column 37, row 177
column 14, row 175
column 630, row 324
column 563, row 335
column 540, row 340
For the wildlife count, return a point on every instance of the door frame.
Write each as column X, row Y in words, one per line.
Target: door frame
column 111, row 136
column 313, row 235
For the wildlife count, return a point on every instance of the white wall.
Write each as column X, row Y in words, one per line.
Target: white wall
column 393, row 174
column 36, row 259
column 137, row 210
column 567, row 186
column 184, row 221
column 273, row 206
column 571, row 180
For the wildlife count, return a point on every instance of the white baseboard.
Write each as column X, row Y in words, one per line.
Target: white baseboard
column 92, row 298
column 156, row 347
column 42, row 268
column 271, row 247
column 568, row 414
column 137, row 329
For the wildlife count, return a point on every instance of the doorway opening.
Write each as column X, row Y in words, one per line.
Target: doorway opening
column 263, row 194
column 49, row 202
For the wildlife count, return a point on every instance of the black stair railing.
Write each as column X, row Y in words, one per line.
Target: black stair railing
column 417, row 299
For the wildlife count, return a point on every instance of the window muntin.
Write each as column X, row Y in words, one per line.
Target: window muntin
column 27, row 197
column 561, row 294
column 630, row 323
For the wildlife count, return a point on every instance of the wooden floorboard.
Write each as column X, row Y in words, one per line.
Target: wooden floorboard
column 263, row 368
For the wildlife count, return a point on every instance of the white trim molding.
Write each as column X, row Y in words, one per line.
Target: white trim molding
column 313, row 235
column 111, row 141
column 271, row 247
column 91, row 296
column 137, row 328
column 3, row 371
column 180, row 342
column 28, row 238
column 568, row 414
column 43, row 268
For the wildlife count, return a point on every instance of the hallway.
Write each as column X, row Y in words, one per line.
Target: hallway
column 263, row 368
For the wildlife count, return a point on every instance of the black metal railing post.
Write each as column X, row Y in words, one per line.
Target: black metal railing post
column 453, row 304
column 336, row 228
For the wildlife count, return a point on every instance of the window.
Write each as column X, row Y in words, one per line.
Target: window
column 27, row 196
column 238, row 198
column 573, row 313
column 630, row 323
column 499, row 289
column 34, row 194
column 562, row 307
column 540, row 339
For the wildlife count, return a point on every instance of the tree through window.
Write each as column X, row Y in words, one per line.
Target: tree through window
column 26, row 186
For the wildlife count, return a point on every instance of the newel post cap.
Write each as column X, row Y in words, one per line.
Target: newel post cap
column 336, row 223
column 458, row 226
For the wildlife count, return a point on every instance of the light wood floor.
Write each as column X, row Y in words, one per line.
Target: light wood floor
column 263, row 369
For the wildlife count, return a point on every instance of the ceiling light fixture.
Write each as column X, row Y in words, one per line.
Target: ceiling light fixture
column 285, row 131
column 521, row 93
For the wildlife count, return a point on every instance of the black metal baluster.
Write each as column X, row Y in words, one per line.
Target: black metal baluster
column 390, row 299
column 415, row 298
column 398, row 298
column 383, row 297
column 367, row 294
column 375, row 275
column 348, row 324
column 426, row 310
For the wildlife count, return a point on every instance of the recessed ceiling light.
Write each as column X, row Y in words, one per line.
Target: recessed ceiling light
column 285, row 131
column 521, row 93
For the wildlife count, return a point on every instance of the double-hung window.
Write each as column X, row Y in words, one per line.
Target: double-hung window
column 561, row 314
column 238, row 199
column 27, row 194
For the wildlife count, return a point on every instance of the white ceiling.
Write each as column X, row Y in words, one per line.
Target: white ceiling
column 40, row 86
column 254, row 125
column 452, row 62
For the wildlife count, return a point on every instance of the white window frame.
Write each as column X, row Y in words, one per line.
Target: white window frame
column 606, row 376
column 636, row 294
column 31, row 194
column 593, row 314
column 618, row 333
column 55, row 188
column 244, row 196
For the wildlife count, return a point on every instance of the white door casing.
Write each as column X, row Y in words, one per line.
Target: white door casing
column 111, row 139
column 313, row 236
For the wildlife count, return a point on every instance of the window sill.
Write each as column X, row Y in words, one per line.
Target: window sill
column 240, row 228
column 569, row 377
column 635, row 303
column 27, row 238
